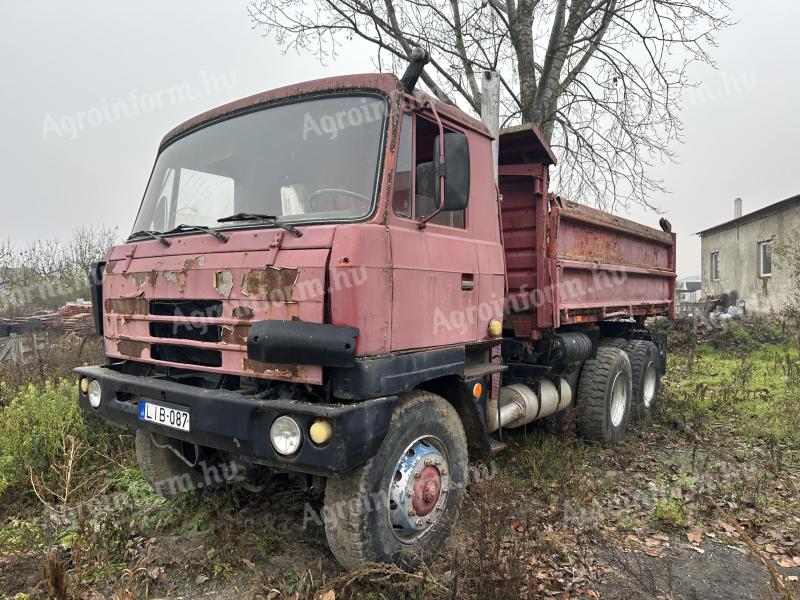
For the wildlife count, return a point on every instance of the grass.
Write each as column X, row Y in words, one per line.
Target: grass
column 555, row 500
column 756, row 393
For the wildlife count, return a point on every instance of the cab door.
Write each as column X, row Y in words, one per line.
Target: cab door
column 435, row 276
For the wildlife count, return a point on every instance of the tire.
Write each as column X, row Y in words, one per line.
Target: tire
column 601, row 417
column 613, row 342
column 646, row 378
column 360, row 506
column 168, row 475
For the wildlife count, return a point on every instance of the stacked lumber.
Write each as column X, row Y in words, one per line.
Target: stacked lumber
column 81, row 324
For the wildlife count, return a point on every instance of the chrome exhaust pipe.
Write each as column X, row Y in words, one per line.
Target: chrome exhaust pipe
column 520, row 404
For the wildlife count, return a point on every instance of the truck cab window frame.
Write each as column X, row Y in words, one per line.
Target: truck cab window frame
column 413, row 196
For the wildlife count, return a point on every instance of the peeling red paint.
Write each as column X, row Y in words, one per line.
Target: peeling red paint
column 236, row 335
column 127, row 306
column 272, row 283
column 243, row 312
column 132, row 348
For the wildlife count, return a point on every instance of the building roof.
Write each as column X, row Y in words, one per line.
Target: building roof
column 753, row 216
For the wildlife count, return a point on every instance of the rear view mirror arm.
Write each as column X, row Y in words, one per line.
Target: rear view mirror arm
column 440, row 168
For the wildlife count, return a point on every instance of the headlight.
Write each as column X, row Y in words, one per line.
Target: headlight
column 285, row 435
column 95, row 393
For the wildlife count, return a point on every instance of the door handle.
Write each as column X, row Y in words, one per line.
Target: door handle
column 467, row 282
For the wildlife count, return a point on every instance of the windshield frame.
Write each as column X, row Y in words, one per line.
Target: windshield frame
column 298, row 99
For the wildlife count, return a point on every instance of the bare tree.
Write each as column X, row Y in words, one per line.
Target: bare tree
column 47, row 273
column 6, row 258
column 603, row 79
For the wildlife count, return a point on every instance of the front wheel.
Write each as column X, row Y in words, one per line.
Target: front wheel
column 400, row 506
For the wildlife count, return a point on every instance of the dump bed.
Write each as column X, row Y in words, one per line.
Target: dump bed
column 567, row 263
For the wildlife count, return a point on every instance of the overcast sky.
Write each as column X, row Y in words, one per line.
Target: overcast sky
column 87, row 92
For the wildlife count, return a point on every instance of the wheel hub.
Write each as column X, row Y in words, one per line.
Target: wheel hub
column 426, row 491
column 619, row 399
column 418, row 488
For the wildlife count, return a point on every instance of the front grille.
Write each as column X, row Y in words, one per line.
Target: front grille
column 186, row 308
column 200, row 332
column 187, row 355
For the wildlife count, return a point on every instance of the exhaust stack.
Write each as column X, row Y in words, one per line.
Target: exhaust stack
column 419, row 58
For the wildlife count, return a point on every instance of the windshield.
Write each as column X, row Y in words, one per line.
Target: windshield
column 315, row 160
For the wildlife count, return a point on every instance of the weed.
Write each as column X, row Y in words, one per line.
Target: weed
column 669, row 512
column 21, row 536
column 47, row 441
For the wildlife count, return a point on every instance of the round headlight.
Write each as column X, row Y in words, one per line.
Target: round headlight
column 285, row 435
column 95, row 393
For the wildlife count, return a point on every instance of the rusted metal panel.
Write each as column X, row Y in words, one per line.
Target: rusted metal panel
column 568, row 263
column 246, row 285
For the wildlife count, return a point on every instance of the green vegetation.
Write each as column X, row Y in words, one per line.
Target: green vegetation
column 723, row 449
column 757, row 393
column 48, row 445
column 669, row 512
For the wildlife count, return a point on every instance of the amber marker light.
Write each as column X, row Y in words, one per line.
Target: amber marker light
column 321, row 432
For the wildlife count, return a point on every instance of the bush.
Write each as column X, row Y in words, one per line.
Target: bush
column 54, row 362
column 48, row 442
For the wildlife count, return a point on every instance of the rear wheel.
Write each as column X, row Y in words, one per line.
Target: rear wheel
column 646, row 378
column 604, row 396
column 400, row 506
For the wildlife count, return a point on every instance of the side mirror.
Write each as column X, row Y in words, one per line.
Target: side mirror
column 456, row 172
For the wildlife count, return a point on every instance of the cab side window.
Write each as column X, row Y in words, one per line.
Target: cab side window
column 417, row 150
column 402, row 195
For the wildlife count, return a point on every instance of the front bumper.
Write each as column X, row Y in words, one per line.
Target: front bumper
column 240, row 424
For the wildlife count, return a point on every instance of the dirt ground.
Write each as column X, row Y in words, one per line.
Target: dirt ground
column 701, row 503
column 596, row 537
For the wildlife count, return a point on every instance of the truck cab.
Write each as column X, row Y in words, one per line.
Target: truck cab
column 318, row 281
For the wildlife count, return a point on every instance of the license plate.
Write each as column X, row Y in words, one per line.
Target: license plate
column 168, row 415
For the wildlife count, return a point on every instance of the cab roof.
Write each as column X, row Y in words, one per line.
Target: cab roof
column 386, row 83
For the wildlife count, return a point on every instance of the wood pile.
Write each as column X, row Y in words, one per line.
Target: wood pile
column 75, row 317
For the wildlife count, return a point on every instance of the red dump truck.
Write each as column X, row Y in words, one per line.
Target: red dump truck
column 327, row 280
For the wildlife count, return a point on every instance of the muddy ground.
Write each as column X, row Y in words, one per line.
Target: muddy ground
column 699, row 503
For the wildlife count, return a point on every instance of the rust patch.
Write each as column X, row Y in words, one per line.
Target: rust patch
column 194, row 263
column 243, row 312
column 179, row 277
column 223, row 282
column 269, row 368
column 127, row 306
column 111, row 266
column 236, row 335
column 272, row 283
column 140, row 278
column 132, row 348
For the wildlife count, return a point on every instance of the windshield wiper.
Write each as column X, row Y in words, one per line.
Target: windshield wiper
column 208, row 230
column 156, row 235
column 270, row 219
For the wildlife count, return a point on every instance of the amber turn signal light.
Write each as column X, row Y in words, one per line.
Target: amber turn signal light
column 321, row 432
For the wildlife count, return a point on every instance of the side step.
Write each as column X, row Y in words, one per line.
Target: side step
column 483, row 369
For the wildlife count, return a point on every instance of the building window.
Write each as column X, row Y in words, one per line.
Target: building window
column 765, row 259
column 715, row 266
